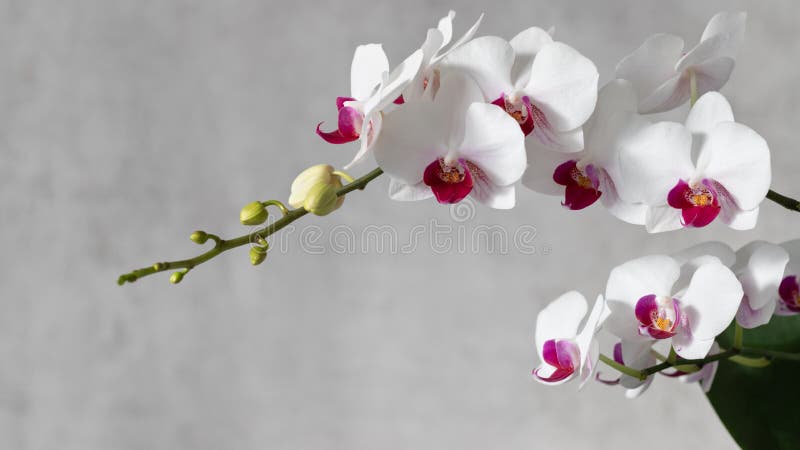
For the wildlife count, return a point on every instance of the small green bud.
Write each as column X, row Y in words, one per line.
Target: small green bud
column 253, row 214
column 199, row 237
column 158, row 267
column 257, row 255
column 263, row 242
column 322, row 199
column 176, row 277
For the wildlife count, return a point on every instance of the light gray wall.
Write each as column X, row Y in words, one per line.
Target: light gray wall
column 124, row 125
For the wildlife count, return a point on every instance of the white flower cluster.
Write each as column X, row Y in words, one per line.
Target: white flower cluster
column 678, row 302
column 476, row 116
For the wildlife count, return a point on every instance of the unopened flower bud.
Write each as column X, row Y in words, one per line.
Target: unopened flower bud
column 257, row 255
column 176, row 277
column 319, row 174
column 322, row 199
column 253, row 214
column 199, row 237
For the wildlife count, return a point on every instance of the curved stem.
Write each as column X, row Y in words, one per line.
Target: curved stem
column 623, row 368
column 786, row 202
column 222, row 245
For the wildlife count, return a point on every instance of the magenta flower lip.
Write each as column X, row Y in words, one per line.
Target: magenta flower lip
column 699, row 205
column 581, row 185
column 789, row 291
column 563, row 355
column 449, row 183
column 659, row 318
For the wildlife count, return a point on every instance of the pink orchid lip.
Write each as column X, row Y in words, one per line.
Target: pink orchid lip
column 563, row 355
column 789, row 291
column 350, row 121
column 449, row 183
column 617, row 359
column 659, row 317
column 581, row 185
column 399, row 100
column 524, row 113
column 699, row 205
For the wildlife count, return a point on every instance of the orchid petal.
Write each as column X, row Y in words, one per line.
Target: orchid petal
column 672, row 93
column 739, row 161
column 739, row 219
column 722, row 37
column 397, row 81
column 494, row 142
column 366, row 71
column 710, row 304
column 541, row 164
column 461, row 41
column 711, row 109
column 488, row 61
column 526, row 45
column 563, row 84
column 652, row 161
column 760, row 267
column 720, row 250
column 404, row 192
column 652, row 64
column 586, row 339
column 445, row 26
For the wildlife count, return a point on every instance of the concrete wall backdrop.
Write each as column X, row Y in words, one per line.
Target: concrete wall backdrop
column 125, row 125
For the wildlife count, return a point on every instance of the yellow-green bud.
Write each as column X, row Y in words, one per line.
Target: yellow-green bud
column 253, row 214
column 158, row 267
column 257, row 255
column 321, row 173
column 199, row 237
column 322, row 199
column 176, row 277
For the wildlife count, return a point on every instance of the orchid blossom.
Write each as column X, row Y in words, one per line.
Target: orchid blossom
column 665, row 76
column 563, row 350
column 636, row 355
column 453, row 146
column 588, row 175
column 548, row 87
column 729, row 178
column 372, row 88
column 759, row 267
column 647, row 304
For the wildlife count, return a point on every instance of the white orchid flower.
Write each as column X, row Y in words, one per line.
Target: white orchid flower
column 662, row 73
column 588, row 175
column 548, row 87
column 563, row 350
column 453, row 146
column 647, row 304
column 729, row 179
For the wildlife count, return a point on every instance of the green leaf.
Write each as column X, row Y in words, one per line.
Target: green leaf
column 760, row 407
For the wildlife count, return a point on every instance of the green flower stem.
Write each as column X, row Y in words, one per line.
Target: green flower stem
column 692, row 87
column 683, row 363
column 222, row 245
column 786, row 202
column 738, row 335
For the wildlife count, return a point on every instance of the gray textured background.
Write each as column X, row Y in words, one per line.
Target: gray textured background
column 124, row 125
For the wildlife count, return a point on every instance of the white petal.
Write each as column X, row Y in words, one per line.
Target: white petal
column 711, row 75
column 739, row 219
column 760, row 267
column 633, row 213
column 408, row 192
column 621, row 321
column 461, row 41
column 526, row 45
column 445, row 27
column 653, row 63
column 722, row 38
column 722, row 251
column 652, row 162
column 397, row 81
column 492, row 195
column 673, row 93
column 494, row 142
column 739, row 161
column 587, row 345
column 691, row 348
column 660, row 219
column 366, row 71
column 563, row 84
column 487, row 60
column 654, row 274
column 710, row 110
column 711, row 301
column 616, row 96
column 560, row 319
column 748, row 317
column 793, row 248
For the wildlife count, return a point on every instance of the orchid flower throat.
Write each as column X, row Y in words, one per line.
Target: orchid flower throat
column 450, row 179
column 581, row 181
column 521, row 109
column 698, row 201
column 659, row 317
column 789, row 291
